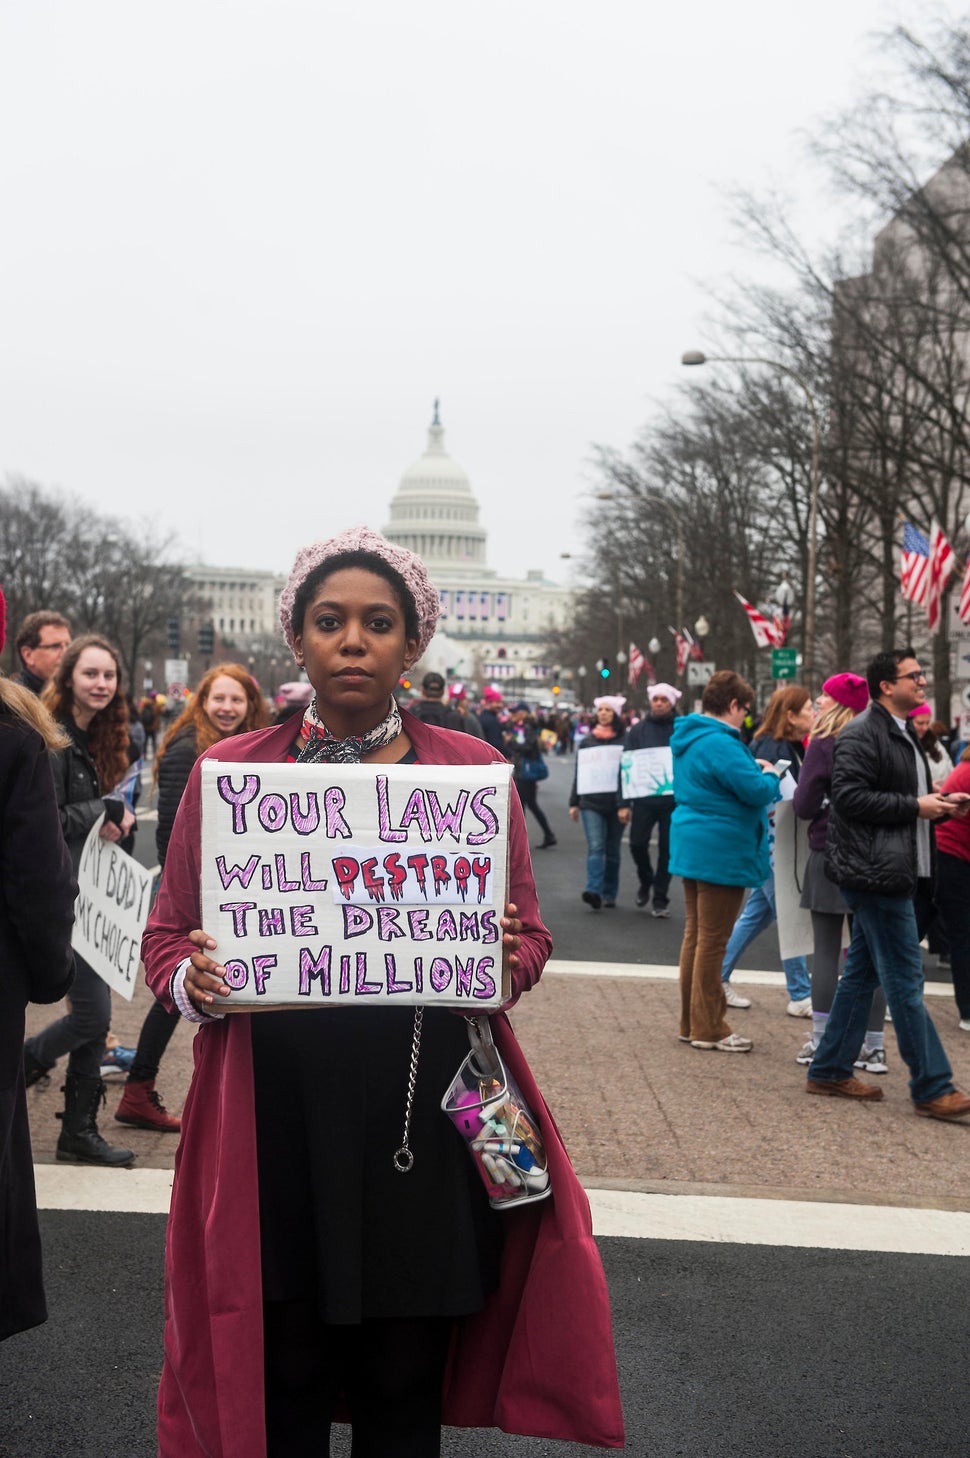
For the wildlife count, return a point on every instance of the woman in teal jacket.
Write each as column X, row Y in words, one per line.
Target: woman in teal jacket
column 718, row 845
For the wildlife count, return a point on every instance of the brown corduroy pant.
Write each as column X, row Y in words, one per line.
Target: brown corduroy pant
column 711, row 913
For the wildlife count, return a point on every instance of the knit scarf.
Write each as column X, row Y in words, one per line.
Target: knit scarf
column 322, row 745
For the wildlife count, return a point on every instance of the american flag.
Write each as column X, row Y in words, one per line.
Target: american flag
column 964, row 608
column 766, row 634
column 914, row 572
column 637, row 661
column 682, row 647
column 694, row 648
column 942, row 563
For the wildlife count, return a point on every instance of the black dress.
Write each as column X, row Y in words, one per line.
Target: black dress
column 337, row 1220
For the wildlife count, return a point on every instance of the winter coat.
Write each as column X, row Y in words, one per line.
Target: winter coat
column 37, row 891
column 78, row 791
column 811, row 798
column 530, row 747
column 953, row 836
column 870, row 844
column 603, row 802
column 537, row 1360
column 174, row 769
column 773, row 750
column 491, row 729
column 649, row 733
column 719, row 830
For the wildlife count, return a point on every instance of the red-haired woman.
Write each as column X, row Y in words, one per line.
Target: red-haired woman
column 226, row 702
column 86, row 697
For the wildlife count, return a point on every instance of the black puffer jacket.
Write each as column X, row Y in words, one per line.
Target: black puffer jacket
column 79, row 798
column 174, row 769
column 870, row 844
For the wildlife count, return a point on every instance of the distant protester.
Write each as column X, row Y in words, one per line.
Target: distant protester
column 719, row 845
column 780, row 737
column 595, row 797
column 86, row 697
column 528, row 766
column 646, row 813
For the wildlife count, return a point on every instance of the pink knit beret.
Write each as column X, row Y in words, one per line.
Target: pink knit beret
column 848, row 689
column 362, row 539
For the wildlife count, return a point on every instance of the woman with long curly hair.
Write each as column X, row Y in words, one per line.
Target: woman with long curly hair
column 226, row 702
column 86, row 697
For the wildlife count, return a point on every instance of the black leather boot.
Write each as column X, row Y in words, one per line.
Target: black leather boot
column 80, row 1142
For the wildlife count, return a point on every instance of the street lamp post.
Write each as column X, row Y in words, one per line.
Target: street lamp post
column 697, row 357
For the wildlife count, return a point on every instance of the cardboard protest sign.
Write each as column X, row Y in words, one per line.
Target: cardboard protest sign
column 328, row 884
column 791, row 851
column 646, row 772
column 598, row 769
column 114, row 898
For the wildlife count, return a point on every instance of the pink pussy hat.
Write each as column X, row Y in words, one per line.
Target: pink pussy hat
column 920, row 709
column 612, row 701
column 406, row 564
column 847, row 689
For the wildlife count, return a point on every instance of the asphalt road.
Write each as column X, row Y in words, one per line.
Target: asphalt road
column 723, row 1349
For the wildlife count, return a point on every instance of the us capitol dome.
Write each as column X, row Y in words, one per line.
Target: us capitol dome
column 493, row 629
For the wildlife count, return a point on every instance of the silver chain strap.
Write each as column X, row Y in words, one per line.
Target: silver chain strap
column 403, row 1158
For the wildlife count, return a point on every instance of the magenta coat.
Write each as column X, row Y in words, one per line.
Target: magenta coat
column 538, row 1360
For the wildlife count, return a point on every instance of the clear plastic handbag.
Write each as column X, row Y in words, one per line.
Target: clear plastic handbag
column 487, row 1108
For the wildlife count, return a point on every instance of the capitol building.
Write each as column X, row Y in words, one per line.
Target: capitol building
column 493, row 629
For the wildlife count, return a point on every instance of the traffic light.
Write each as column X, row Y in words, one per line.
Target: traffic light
column 556, row 690
column 603, row 667
column 207, row 640
column 173, row 628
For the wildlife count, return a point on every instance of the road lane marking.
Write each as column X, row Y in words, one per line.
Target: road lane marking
column 803, row 1223
column 657, row 972
column 616, row 1213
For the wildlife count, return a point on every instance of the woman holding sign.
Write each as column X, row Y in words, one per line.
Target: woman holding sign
column 595, row 796
column 86, row 697
column 314, row 1266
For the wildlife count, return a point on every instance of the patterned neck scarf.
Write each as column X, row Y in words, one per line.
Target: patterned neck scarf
column 322, row 745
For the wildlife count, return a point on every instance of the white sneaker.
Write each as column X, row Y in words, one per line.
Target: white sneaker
column 802, row 1008
column 873, row 1060
column 734, row 1043
column 807, row 1054
column 965, row 1025
column 734, row 999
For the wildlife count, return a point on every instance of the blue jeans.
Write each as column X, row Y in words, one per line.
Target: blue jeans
column 759, row 912
column 603, row 835
column 884, row 949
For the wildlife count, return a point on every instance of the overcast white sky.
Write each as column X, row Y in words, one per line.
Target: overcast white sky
column 245, row 243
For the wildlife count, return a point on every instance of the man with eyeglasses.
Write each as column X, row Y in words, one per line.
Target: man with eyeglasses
column 880, row 850
column 40, row 641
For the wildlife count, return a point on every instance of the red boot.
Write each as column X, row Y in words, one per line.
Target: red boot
column 140, row 1105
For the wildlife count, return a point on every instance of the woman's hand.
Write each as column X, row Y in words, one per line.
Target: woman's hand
column 205, row 979
column 110, row 831
column 574, row 812
column 511, row 941
column 623, row 816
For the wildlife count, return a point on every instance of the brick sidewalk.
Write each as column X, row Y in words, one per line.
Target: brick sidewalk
column 637, row 1108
